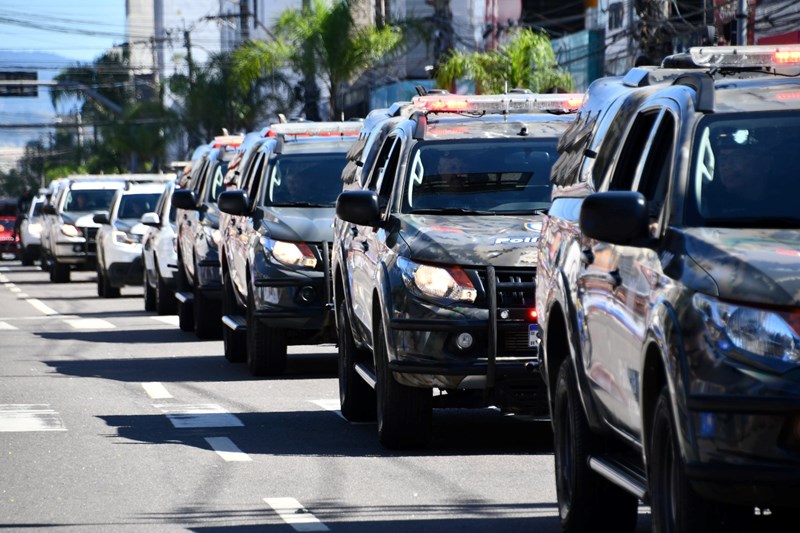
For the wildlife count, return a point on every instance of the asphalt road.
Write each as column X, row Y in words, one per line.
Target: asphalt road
column 112, row 419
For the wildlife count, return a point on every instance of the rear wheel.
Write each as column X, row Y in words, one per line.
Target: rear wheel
column 356, row 397
column 584, row 498
column 234, row 342
column 266, row 346
column 404, row 413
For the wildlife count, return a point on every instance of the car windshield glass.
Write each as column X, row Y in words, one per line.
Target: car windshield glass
column 217, row 180
column 89, row 200
column 136, row 205
column 487, row 176
column 37, row 208
column 307, row 180
column 742, row 171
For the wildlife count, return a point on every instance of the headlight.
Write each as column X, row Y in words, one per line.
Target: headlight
column 451, row 282
column 289, row 253
column 214, row 234
column 121, row 237
column 761, row 332
column 70, row 231
column 35, row 228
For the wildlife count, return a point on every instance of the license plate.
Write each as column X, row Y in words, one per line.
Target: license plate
column 533, row 339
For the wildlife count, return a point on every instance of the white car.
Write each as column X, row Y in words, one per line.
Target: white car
column 160, row 256
column 119, row 239
column 30, row 232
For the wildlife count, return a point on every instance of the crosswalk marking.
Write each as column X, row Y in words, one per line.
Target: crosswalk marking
column 90, row 323
column 41, row 307
column 295, row 514
column 14, row 288
column 172, row 320
column 199, row 416
column 22, row 296
column 156, row 390
column 226, row 449
column 6, row 325
column 29, row 417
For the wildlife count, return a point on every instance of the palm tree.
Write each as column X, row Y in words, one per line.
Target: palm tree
column 321, row 40
column 526, row 61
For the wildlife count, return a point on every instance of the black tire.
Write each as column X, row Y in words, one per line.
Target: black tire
column 234, row 343
column 106, row 290
column 585, row 499
column 186, row 316
column 149, row 292
column 356, row 397
column 28, row 257
column 404, row 413
column 676, row 507
column 166, row 304
column 266, row 346
column 59, row 273
column 100, row 287
column 207, row 316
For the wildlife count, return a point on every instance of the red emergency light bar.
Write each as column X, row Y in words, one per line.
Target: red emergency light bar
column 499, row 104
column 746, row 56
column 316, row 129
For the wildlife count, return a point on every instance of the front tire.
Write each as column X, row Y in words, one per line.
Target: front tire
column 59, row 272
column 356, row 397
column 266, row 347
column 166, row 304
column 149, row 292
column 404, row 413
column 585, row 500
column 105, row 289
column 207, row 316
column 234, row 342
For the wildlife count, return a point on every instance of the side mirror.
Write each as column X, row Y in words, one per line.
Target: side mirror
column 48, row 209
column 234, row 202
column 616, row 217
column 184, row 199
column 151, row 219
column 101, row 218
column 359, row 207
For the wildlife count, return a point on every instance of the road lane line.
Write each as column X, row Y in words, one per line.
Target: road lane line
column 205, row 415
column 29, row 417
column 90, row 323
column 172, row 320
column 42, row 307
column 6, row 325
column 295, row 514
column 156, row 390
column 226, row 449
column 22, row 296
column 15, row 289
column 7, row 284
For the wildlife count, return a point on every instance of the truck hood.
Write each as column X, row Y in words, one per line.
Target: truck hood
column 299, row 224
column 749, row 265
column 80, row 219
column 504, row 241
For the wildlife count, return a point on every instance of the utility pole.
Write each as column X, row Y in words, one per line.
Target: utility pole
column 741, row 22
column 187, row 42
column 244, row 15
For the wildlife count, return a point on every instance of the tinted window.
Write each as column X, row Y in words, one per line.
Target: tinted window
column 306, row 178
column 136, row 205
column 743, row 170
column 216, row 185
column 498, row 176
column 88, row 200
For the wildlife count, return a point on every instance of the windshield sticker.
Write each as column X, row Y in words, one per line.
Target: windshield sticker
column 516, row 240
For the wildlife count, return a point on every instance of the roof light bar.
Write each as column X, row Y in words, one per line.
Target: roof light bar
column 316, row 128
column 746, row 56
column 501, row 103
column 226, row 140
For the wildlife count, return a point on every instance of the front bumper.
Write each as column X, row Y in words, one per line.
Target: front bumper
column 9, row 247
column 297, row 304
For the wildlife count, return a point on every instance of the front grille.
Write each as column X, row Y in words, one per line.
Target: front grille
column 515, row 287
column 90, row 234
column 514, row 342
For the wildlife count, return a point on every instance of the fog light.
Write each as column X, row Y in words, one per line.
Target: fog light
column 77, row 248
column 307, row 294
column 504, row 314
column 464, row 341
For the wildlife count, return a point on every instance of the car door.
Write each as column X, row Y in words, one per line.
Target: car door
column 617, row 286
column 366, row 243
column 246, row 227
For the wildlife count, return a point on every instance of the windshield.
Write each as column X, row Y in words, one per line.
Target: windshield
column 741, row 171
column 305, row 180
column 89, row 200
column 136, row 205
column 492, row 177
column 216, row 184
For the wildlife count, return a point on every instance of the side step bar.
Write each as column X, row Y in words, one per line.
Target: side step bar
column 621, row 474
column 366, row 373
column 185, row 297
column 237, row 323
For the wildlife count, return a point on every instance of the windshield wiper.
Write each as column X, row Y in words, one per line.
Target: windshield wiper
column 754, row 222
column 452, row 211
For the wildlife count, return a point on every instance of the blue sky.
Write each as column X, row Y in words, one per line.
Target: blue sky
column 76, row 29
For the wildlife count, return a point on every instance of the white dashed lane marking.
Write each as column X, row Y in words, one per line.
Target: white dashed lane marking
column 199, row 416
column 29, row 417
column 15, row 289
column 90, row 323
column 226, row 449
column 172, row 320
column 295, row 514
column 156, row 390
column 6, row 325
column 41, row 307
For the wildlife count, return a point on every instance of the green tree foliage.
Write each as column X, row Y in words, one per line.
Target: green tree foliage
column 527, row 61
column 322, row 41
